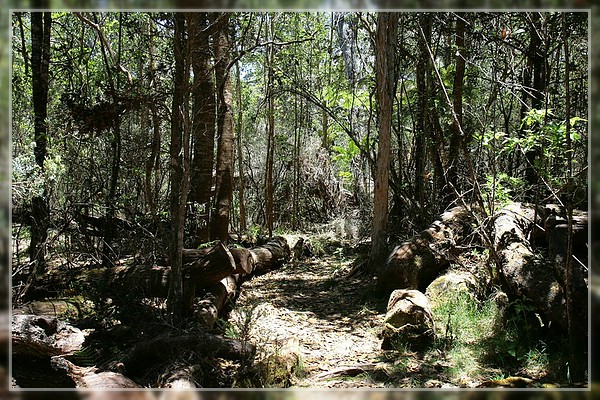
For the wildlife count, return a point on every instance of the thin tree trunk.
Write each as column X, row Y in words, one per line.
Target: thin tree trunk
column 456, row 139
column 420, row 147
column 179, row 131
column 152, row 161
column 577, row 335
column 535, row 76
column 40, row 61
column 385, row 55
column 240, row 154
column 224, row 176
column 270, row 136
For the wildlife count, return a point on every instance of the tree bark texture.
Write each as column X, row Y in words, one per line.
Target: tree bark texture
column 420, row 148
column 525, row 277
column 92, row 378
column 146, row 281
column 167, row 348
column 270, row 134
column 457, row 140
column 385, row 57
column 203, row 122
column 534, row 84
column 203, row 269
column 178, row 172
column 40, row 61
column 240, row 155
column 257, row 261
column 224, row 176
column 44, row 336
column 416, row 263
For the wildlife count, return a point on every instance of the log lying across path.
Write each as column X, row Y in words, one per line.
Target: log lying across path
column 202, row 269
column 416, row 263
column 214, row 274
column 258, row 261
column 518, row 229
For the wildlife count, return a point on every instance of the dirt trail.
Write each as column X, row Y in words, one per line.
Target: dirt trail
column 333, row 320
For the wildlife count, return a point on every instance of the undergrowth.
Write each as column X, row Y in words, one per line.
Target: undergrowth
column 482, row 340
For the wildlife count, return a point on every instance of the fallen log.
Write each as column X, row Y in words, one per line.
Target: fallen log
column 257, row 261
column 44, row 336
column 168, row 348
column 416, row 263
column 525, row 276
column 73, row 309
column 214, row 300
column 270, row 256
column 206, row 271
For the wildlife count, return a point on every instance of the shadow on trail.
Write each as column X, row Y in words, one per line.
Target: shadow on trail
column 311, row 286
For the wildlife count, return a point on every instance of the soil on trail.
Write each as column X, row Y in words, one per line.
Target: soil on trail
column 333, row 320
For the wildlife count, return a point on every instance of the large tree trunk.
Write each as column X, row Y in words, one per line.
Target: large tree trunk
column 203, row 123
column 258, row 261
column 224, row 177
column 385, row 56
column 205, row 271
column 40, row 60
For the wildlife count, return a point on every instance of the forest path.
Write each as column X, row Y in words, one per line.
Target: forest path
column 330, row 320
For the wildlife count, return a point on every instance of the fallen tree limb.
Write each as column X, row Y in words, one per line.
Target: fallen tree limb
column 90, row 377
column 355, row 370
column 214, row 301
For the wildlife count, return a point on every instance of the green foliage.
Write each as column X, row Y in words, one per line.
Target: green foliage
column 502, row 188
column 343, row 156
column 207, row 244
column 462, row 318
column 544, row 131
